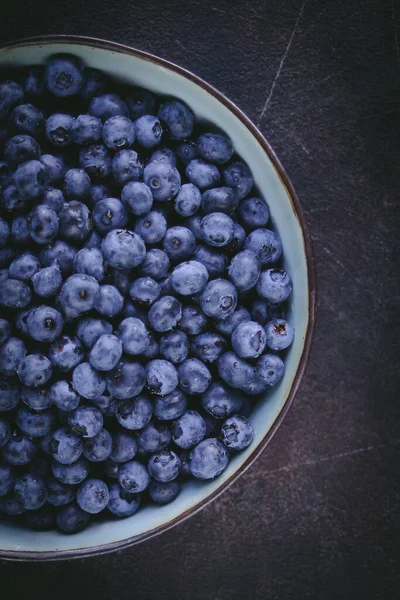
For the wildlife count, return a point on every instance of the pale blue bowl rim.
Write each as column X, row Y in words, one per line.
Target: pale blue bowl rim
column 311, row 275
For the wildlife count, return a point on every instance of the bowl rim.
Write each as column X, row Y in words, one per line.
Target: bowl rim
column 56, row 555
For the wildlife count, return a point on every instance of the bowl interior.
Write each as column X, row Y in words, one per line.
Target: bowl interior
column 162, row 79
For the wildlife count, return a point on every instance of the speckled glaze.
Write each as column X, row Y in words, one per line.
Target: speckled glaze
column 139, row 68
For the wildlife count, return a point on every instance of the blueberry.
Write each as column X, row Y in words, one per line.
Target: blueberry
column 154, row 437
column 122, row 503
column 124, row 447
column 141, row 102
column 171, row 406
column 234, row 371
column 65, row 446
column 164, row 466
column 208, row 347
column 20, row 149
column 165, row 313
column 30, row 491
column 109, row 301
column 24, row 267
column 133, row 477
column 89, row 261
column 59, row 494
column 126, row 380
column 53, row 198
column 226, row 326
column 110, row 469
column 88, row 383
column 186, row 151
column 4, row 330
column 44, row 224
column 174, row 346
column 133, row 335
column 4, row 232
column 76, row 184
column 19, row 450
column 188, row 278
column 10, row 201
column 188, row 200
column 96, row 161
column 179, row 243
column 164, row 155
column 178, row 119
column 71, row 519
column 220, row 401
column 11, row 353
column 98, row 192
column 64, row 76
column 144, row 291
column 34, row 370
column 89, row 330
column 10, row 505
column 6, row 480
column 237, row 432
column 95, row 84
column 30, row 180
column 156, row 264
column 79, row 294
column 208, row 459
column 194, row 376
column 20, row 231
column 60, row 254
column 163, row 493
column 11, row 93
column 106, row 106
column 122, row 279
column 213, row 259
column 118, row 132
column 58, row 129
column 161, row 376
column 123, row 249
column 248, row 339
column 41, row 519
column 106, row 353
column 5, row 433
column 215, row 148
column 254, row 213
column 93, row 496
column 137, row 197
column 71, row 474
column 55, row 167
column 66, row 352
column 86, row 130
column 244, row 270
column 45, row 324
column 75, row 222
column 260, row 311
column 126, row 166
column 270, row 369
column 9, row 392
column 163, row 179
column 64, row 396
column 107, row 405
column 221, row 199
column 36, row 398
column 189, row 429
column 274, row 285
column 148, row 131
column 33, row 423
column 193, row 321
column 217, row 229
column 151, row 227
column 279, row 334
column 28, row 119
column 218, row 299
column 202, row 174
column 238, row 175
column 266, row 244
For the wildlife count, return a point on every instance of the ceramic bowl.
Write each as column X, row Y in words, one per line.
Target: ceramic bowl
column 209, row 105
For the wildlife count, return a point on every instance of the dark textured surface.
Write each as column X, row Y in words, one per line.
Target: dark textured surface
column 317, row 516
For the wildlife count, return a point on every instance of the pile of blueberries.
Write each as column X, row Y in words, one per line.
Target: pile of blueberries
column 141, row 297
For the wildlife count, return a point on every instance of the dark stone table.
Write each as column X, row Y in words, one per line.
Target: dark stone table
column 318, row 515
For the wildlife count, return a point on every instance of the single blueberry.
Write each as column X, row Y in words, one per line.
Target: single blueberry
column 179, row 243
column 215, row 148
column 208, row 459
column 65, row 446
column 161, row 377
column 93, row 496
column 144, row 291
column 188, row 200
column 20, row 231
column 238, row 240
column 133, row 335
column 266, row 244
column 122, row 503
column 141, row 102
column 89, row 261
column 89, row 330
column 163, row 179
column 98, row 192
column 30, row 180
column 96, row 161
column 148, row 131
column 79, row 294
column 165, row 313
column 19, row 450
column 11, row 93
column 86, row 130
column 11, row 353
column 186, row 151
column 178, row 118
column 106, row 106
column 237, row 433
column 30, row 491
column 236, row 372
column 226, row 326
column 44, row 324
column 36, row 398
column 109, row 302
column 53, row 198
column 11, row 201
column 238, row 175
column 221, row 199
column 44, row 224
column 274, row 285
column 33, row 423
column 88, row 383
column 165, row 155
column 133, row 477
column 124, row 447
column 66, row 352
column 126, row 380
column 189, row 277
column 194, row 376
column 118, row 132
column 75, row 222
column 244, row 270
column 279, row 334
column 163, row 493
column 218, row 299
column 270, row 368
column 189, row 429
column 202, row 174
column 76, row 184
column 64, row 76
column 164, row 466
column 28, row 119
column 71, row 519
column 64, row 396
column 34, row 370
column 123, row 249
column 59, row 494
column 213, row 259
column 254, row 213
column 20, row 149
column 154, row 437
column 58, row 129
column 24, row 267
column 95, row 85
column 126, row 166
column 220, row 401
column 174, row 346
column 55, row 168
column 171, row 406
column 249, row 339
column 106, row 353
column 193, row 320
column 9, row 391
column 137, row 197
column 151, row 227
column 60, row 254
column 217, row 229
column 71, row 474
column 156, row 264
column 109, row 214
column 208, row 347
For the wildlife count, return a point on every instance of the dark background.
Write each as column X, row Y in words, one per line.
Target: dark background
column 317, row 516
